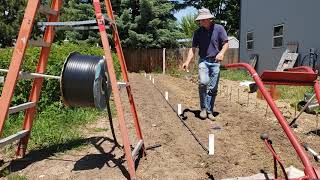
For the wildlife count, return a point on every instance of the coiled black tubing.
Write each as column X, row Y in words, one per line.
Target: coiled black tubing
column 85, row 81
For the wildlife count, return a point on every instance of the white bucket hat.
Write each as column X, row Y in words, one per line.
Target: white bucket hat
column 204, row 13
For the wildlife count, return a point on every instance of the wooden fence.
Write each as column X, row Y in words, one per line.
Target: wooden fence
column 150, row 60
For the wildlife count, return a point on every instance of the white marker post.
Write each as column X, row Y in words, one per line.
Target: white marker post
column 150, row 77
column 211, row 144
column 179, row 109
column 145, row 75
column 167, row 95
column 152, row 80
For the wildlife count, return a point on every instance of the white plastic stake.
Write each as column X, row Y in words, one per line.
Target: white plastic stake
column 152, row 80
column 164, row 61
column 167, row 95
column 211, row 144
column 179, row 109
column 145, row 75
column 150, row 77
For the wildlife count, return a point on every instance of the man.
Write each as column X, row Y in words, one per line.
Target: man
column 212, row 41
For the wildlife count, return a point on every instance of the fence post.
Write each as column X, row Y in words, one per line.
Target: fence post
column 164, row 61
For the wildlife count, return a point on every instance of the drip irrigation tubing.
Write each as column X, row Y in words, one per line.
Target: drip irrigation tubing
column 84, row 81
column 189, row 129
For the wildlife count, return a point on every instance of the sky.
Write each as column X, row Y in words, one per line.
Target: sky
column 184, row 12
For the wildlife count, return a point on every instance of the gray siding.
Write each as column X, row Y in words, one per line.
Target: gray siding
column 301, row 24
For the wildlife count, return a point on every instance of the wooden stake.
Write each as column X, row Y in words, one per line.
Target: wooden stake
column 317, row 123
column 238, row 96
column 266, row 111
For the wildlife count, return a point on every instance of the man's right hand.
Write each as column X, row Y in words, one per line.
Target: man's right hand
column 185, row 66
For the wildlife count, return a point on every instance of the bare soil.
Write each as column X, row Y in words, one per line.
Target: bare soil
column 238, row 148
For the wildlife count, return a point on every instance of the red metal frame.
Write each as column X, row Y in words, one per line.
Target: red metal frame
column 309, row 170
column 276, row 159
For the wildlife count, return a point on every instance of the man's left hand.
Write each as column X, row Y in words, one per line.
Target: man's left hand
column 220, row 57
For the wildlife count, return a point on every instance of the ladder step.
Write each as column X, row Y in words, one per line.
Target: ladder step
column 80, row 28
column 136, row 150
column 39, row 43
column 47, row 11
column 21, row 107
column 69, row 23
column 122, row 85
column 13, row 138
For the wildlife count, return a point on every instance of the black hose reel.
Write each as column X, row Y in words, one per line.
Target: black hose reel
column 85, row 81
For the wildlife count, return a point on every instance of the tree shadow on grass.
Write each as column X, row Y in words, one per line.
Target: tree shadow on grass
column 88, row 162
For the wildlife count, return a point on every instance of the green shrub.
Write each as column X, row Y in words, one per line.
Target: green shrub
column 235, row 75
column 55, row 126
column 51, row 88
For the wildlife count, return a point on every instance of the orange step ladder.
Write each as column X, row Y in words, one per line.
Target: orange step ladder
column 22, row 43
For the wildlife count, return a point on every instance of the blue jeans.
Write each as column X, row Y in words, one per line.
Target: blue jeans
column 209, row 73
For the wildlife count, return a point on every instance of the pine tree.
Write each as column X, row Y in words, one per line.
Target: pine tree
column 224, row 11
column 12, row 12
column 153, row 27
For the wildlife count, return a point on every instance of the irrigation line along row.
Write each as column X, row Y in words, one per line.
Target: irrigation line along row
column 189, row 129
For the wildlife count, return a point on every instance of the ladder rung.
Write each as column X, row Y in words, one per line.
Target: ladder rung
column 21, row 107
column 13, row 138
column 136, row 150
column 69, row 23
column 1, row 79
column 38, row 43
column 122, row 85
column 80, row 28
column 47, row 11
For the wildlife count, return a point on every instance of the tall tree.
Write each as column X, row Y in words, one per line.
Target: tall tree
column 72, row 10
column 151, row 26
column 142, row 23
column 224, row 10
column 11, row 15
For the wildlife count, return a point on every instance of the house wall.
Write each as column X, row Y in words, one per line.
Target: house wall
column 301, row 24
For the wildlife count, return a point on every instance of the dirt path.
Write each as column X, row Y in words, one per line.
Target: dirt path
column 239, row 150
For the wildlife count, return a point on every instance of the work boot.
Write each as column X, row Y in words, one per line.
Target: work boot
column 212, row 117
column 203, row 114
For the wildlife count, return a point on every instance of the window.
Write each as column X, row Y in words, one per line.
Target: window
column 277, row 40
column 249, row 40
